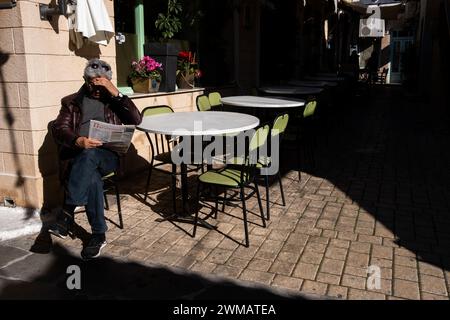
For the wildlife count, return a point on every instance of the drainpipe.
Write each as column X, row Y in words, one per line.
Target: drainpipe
column 139, row 28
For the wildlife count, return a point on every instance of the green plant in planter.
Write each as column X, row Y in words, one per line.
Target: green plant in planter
column 169, row 24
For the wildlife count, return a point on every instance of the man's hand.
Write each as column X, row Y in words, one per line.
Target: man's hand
column 107, row 84
column 87, row 143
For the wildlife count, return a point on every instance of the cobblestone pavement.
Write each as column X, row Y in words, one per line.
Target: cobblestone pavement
column 379, row 196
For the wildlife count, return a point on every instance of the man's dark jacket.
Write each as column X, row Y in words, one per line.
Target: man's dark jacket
column 66, row 127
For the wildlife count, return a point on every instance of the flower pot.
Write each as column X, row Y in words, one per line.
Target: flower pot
column 145, row 85
column 185, row 82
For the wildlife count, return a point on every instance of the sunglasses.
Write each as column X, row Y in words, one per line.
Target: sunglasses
column 96, row 66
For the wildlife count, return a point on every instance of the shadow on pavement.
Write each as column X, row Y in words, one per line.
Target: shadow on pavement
column 106, row 278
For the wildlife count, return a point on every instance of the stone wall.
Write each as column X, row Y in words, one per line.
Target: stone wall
column 40, row 69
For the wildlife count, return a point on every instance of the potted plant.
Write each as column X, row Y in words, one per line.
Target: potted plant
column 146, row 75
column 187, row 70
column 165, row 52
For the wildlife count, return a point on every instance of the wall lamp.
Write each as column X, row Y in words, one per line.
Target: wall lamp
column 9, row 4
column 46, row 12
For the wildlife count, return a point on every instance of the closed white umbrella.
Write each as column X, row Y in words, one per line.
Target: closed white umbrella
column 90, row 22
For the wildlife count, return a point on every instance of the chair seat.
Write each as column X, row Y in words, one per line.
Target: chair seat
column 226, row 177
column 263, row 161
column 164, row 157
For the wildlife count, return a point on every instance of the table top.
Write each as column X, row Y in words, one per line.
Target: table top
column 291, row 90
column 198, row 123
column 312, row 83
column 262, row 102
column 325, row 78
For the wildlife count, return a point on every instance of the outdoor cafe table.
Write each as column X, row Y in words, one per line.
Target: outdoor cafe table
column 262, row 102
column 291, row 90
column 189, row 124
column 325, row 78
column 312, row 83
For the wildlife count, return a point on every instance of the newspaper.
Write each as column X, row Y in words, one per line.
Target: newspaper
column 114, row 137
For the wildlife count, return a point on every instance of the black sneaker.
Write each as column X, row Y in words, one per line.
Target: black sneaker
column 62, row 226
column 94, row 247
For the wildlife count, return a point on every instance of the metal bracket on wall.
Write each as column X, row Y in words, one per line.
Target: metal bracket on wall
column 46, row 12
column 8, row 4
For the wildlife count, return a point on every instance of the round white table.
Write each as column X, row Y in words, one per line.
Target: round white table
column 325, row 78
column 312, row 83
column 291, row 90
column 188, row 124
column 198, row 123
column 262, row 102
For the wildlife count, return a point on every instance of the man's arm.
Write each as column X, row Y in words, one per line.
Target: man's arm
column 62, row 129
column 126, row 110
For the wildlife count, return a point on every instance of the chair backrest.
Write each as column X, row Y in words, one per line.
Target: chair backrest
column 252, row 152
column 160, row 143
column 214, row 99
column 310, row 109
column 203, row 103
column 154, row 110
column 280, row 124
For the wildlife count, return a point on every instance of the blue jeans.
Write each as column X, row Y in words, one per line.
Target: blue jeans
column 85, row 185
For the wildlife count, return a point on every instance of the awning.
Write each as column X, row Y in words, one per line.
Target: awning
column 389, row 9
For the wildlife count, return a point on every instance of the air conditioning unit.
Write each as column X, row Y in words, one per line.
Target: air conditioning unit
column 372, row 27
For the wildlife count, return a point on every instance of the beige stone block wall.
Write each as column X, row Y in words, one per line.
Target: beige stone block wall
column 41, row 69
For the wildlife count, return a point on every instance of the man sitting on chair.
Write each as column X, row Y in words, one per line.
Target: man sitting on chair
column 98, row 99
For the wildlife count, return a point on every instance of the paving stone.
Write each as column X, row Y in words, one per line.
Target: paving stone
column 405, row 273
column 219, row 256
column 382, row 252
column 405, row 261
column 429, row 269
column 311, row 257
column 360, row 247
column 353, row 281
column 287, row 282
column 314, row 287
column 336, row 253
column 259, row 264
column 257, row 276
column 433, row 285
column 305, row 271
column 332, row 266
column 357, row 260
column 355, row 294
column 337, row 291
column 283, row 268
column 227, row 271
column 406, row 289
column 203, row 267
column 328, row 278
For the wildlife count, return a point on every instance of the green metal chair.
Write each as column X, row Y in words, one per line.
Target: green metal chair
column 214, row 99
column 161, row 147
column 306, row 132
column 237, row 177
column 203, row 103
column 277, row 132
